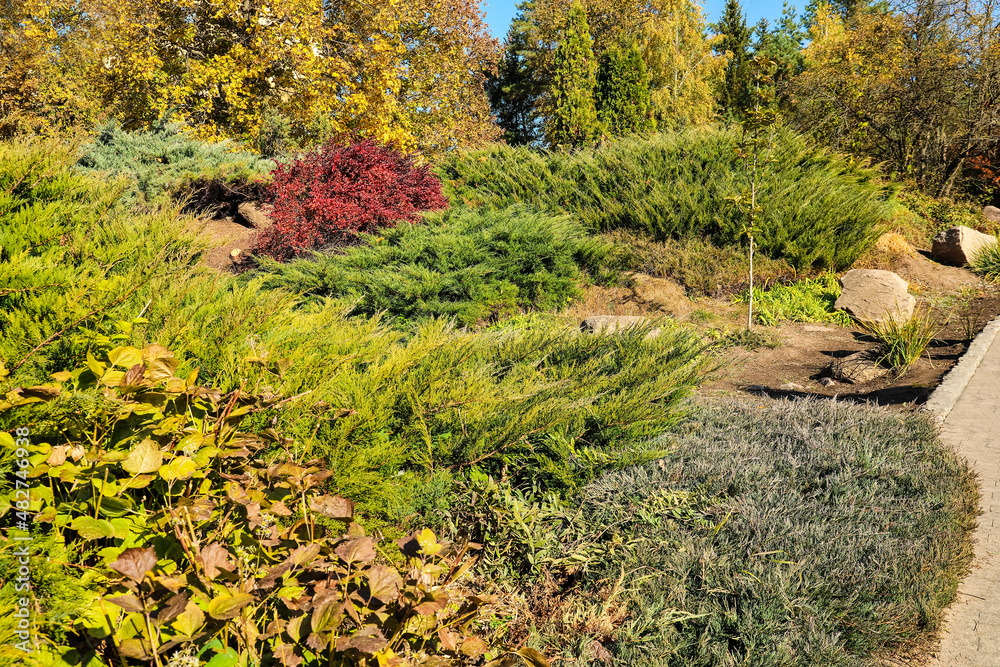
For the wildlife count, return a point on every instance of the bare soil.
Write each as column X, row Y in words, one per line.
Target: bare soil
column 957, row 298
column 225, row 235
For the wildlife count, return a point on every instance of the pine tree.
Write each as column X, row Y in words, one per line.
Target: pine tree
column 734, row 96
column 622, row 94
column 572, row 119
column 515, row 91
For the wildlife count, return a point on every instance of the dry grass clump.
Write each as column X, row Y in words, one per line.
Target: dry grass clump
column 890, row 251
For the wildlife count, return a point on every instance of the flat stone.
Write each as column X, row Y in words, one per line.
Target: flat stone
column 872, row 295
column 959, row 245
column 791, row 386
column 858, row 368
column 991, row 213
column 612, row 323
column 812, row 328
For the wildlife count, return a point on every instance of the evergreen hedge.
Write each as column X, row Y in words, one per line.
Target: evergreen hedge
column 819, row 210
column 473, row 266
column 165, row 161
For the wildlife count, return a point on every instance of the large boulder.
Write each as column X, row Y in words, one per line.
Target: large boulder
column 858, row 368
column 991, row 213
column 959, row 245
column 871, row 295
column 611, row 323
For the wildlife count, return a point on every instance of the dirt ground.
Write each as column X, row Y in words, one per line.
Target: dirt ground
column 225, row 235
column 959, row 301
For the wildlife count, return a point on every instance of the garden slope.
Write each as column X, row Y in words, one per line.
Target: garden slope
column 818, row 211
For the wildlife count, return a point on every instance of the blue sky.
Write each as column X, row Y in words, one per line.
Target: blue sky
column 500, row 12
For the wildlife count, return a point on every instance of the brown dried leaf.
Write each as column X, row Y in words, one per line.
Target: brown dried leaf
column 449, row 639
column 304, row 554
column 253, row 515
column 57, row 456
column 133, row 648
column 213, row 558
column 236, row 493
column 361, row 550
column 275, row 627
column 278, row 508
column 133, row 377
column 433, row 603
column 334, row 507
column 175, row 605
column 286, row 654
column 274, row 574
column 134, row 563
column 473, row 646
column 384, row 583
column 368, row 641
column 128, row 603
column 314, row 479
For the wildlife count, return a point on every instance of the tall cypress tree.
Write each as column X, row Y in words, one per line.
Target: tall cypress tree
column 622, row 94
column 734, row 96
column 572, row 118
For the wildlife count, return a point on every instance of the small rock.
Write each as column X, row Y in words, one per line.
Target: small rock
column 827, row 382
column 992, row 213
column 253, row 216
column 858, row 368
column 959, row 245
column 791, row 386
column 611, row 323
column 872, row 295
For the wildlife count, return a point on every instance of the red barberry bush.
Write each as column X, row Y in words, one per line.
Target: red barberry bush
column 330, row 195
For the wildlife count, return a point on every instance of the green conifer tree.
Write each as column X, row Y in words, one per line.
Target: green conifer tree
column 572, row 118
column 622, row 94
column 518, row 86
column 734, row 96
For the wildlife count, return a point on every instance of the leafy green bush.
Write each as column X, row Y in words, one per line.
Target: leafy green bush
column 165, row 161
column 473, row 266
column 69, row 253
column 810, row 533
column 819, row 211
column 809, row 300
column 196, row 539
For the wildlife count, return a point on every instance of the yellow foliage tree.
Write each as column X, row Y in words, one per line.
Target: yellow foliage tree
column 44, row 49
column 682, row 68
column 916, row 89
column 217, row 64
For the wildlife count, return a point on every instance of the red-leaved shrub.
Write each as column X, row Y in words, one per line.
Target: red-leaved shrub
column 330, row 195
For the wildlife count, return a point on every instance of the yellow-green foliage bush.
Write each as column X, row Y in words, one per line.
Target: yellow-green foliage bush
column 198, row 537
